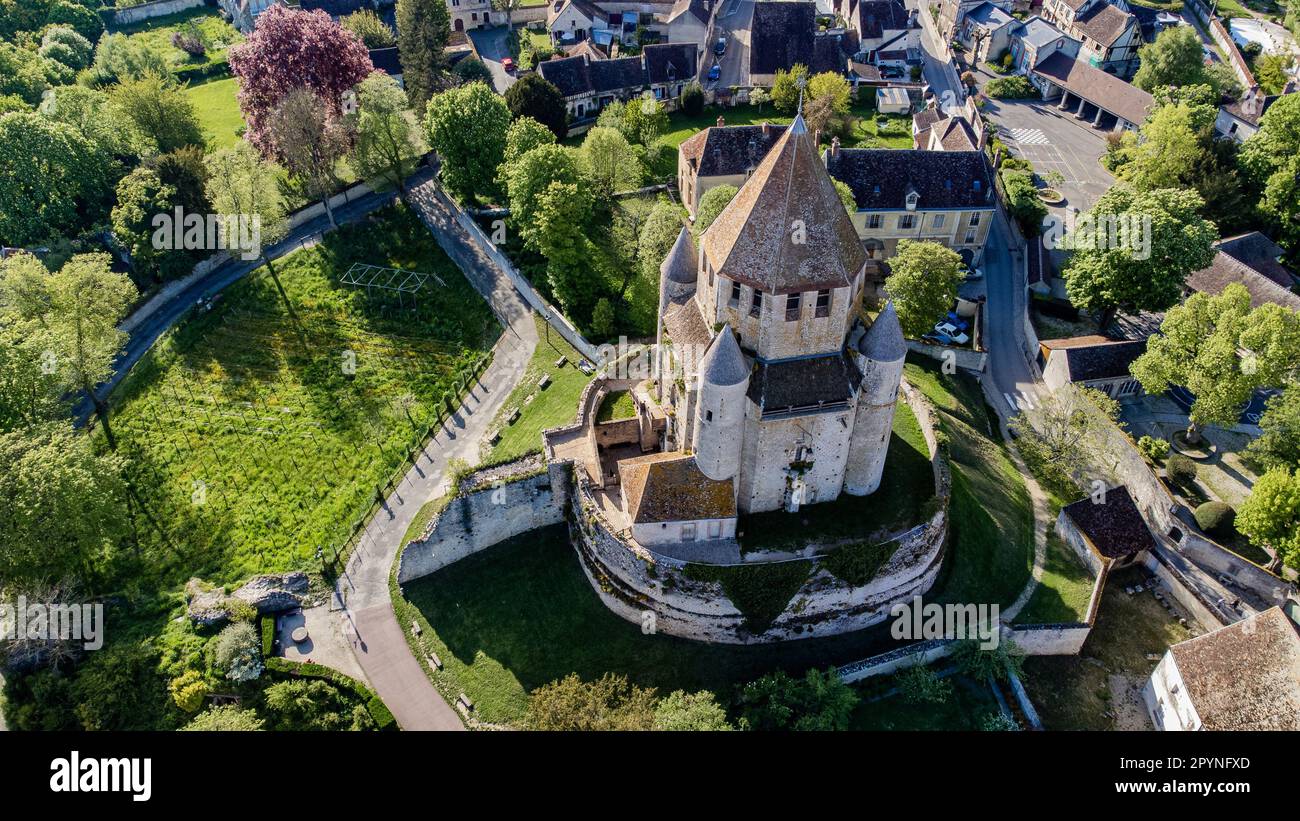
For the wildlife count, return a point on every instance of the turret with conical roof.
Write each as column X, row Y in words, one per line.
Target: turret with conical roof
column 720, row 412
column 880, row 354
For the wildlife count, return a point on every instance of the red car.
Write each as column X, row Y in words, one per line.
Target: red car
column 508, row 64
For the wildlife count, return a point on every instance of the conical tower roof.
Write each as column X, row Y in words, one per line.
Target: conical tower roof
column 787, row 229
column 723, row 363
column 679, row 265
column 883, row 341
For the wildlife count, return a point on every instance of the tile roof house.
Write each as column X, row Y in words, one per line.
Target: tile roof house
column 1109, row 527
column 1249, row 260
column 588, row 84
column 1109, row 32
column 784, row 32
column 1081, row 85
column 942, row 196
column 1091, row 362
column 1240, row 118
column 1245, row 676
column 721, row 155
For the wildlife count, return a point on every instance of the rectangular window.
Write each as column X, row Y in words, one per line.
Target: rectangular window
column 708, row 416
column 970, row 237
column 906, row 221
column 823, row 303
column 715, row 529
column 873, row 221
column 756, row 306
column 974, row 219
column 792, row 307
column 938, row 220
column 735, row 293
column 688, row 532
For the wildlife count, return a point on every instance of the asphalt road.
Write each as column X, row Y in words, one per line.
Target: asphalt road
column 1005, row 308
column 938, row 70
column 733, row 21
column 493, row 47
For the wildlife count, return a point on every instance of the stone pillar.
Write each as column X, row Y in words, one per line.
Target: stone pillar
column 1096, row 121
column 1065, row 100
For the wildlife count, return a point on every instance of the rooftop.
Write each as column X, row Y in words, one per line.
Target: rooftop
column 1225, row 270
column 1118, row 97
column 882, row 178
column 1097, row 357
column 802, row 384
column 730, row 150
column 670, row 487
column 784, row 32
column 1245, row 676
column 1115, row 527
column 875, row 17
column 1105, row 23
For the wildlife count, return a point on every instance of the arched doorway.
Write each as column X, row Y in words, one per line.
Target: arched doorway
column 460, row 24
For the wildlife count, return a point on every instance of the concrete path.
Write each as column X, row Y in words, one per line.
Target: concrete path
column 372, row 629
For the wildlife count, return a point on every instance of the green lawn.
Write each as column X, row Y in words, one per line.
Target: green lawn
column 906, row 493
column 214, row 32
column 990, row 551
column 616, row 405
column 1065, row 590
column 966, row 709
column 218, row 111
column 555, row 406
column 1072, row 692
column 682, row 126
column 256, row 437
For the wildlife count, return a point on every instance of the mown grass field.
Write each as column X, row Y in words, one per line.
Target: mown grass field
column 866, row 132
column 257, row 436
column 1065, row 590
column 218, row 111
column 214, row 32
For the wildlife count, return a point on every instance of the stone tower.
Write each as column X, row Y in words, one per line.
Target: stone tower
column 720, row 414
column 879, row 355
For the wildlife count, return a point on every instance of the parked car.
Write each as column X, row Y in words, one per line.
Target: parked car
column 974, row 274
column 715, row 73
column 509, row 65
column 950, row 335
column 957, row 322
column 720, row 47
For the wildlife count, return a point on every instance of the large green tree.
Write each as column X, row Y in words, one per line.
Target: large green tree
column 657, row 237
column 1279, row 444
column 1143, row 267
column 923, row 284
column 467, row 127
column 608, row 703
column 141, row 195
column 535, row 96
column 609, row 162
column 1271, row 157
column 1270, row 516
column 1174, row 59
column 160, row 114
column 240, row 182
column 819, row 701
column 711, row 205
column 52, row 179
column 423, row 29
column 1221, row 350
column 389, row 141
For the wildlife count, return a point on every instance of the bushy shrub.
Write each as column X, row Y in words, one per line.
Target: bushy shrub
column 692, row 99
column 920, row 685
column 188, row 690
column 189, row 43
column 1152, row 448
column 1217, row 519
column 1023, row 201
column 228, row 718
column 236, row 652
column 1010, row 88
column 1181, row 470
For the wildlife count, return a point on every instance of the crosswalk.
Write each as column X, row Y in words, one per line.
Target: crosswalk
column 1029, row 136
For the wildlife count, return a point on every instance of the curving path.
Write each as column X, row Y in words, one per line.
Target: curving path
column 368, row 621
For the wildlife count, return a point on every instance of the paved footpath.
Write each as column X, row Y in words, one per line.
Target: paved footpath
column 368, row 621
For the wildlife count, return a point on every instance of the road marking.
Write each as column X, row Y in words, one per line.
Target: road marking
column 1011, row 402
column 1029, row 136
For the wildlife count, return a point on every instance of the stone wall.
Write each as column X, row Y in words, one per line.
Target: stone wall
column 148, row 11
column 492, row 505
column 960, row 357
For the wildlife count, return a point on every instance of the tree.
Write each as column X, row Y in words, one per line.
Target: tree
column 161, row 116
column 236, row 652
column 1271, row 159
column 119, row 58
column 509, row 7
column 657, row 237
column 609, row 162
column 389, row 142
column 65, row 505
column 310, row 139
column 140, row 196
column 535, row 96
column 91, row 114
column 1221, row 350
column 523, row 135
column 610, row 703
column 698, row 712
column 1174, row 59
column 423, row 29
column 184, row 171
column 472, row 69
column 922, row 284
column 29, row 394
column 52, row 179
column 561, row 211
column 644, row 120
column 818, row 701
column 983, row 663
column 847, row 196
column 711, row 205
column 1172, row 147
column 228, row 718
column 313, row 704
column 66, row 45
column 292, row 49
column 1023, row 201
column 374, row 32
column 602, row 319
column 188, row 690
column 785, row 88
column 20, row 74
column 827, row 105
column 1279, row 445
column 1270, row 516
column 1272, row 72
column 531, row 175
column 691, row 100
column 1160, row 239
column 759, row 98
column 240, row 183
column 467, row 127
column 1064, row 427
column 921, row 685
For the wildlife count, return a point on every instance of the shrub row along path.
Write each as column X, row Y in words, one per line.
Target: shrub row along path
column 368, row 621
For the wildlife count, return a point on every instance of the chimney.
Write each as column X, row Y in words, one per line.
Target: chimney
column 835, row 146
column 817, row 137
column 721, row 121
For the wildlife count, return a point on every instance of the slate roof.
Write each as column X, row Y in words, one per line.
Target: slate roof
column 387, row 60
column 670, row 487
column 880, row 178
column 1096, row 86
column 1260, row 253
column 1104, row 23
column 334, row 8
column 803, row 384
column 1116, row 527
column 699, row 9
column 784, row 32
column 730, row 150
column 1101, row 360
column 989, row 16
column 1038, row 32
column 568, row 74
column 669, row 62
column 588, row 9
column 752, row 240
column 1225, row 270
column 1245, row 676
column 923, row 121
column 883, row 341
column 875, row 17
column 575, row 76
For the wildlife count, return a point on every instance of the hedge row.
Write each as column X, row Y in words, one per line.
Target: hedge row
column 383, row 717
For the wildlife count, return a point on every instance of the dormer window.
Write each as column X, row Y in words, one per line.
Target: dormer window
column 911, row 201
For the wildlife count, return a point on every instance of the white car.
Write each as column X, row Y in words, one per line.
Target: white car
column 950, row 331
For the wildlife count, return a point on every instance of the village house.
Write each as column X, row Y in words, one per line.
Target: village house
column 629, row 21
column 883, row 25
column 1034, row 41
column 784, row 33
column 986, row 31
column 940, row 196
column 1252, row 261
column 1239, row 119
column 1091, row 361
column 721, row 155
column 1245, row 676
column 590, row 84
column 470, row 14
column 1108, row 32
column 1106, row 531
column 571, row 21
column 952, row 12
column 934, row 129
